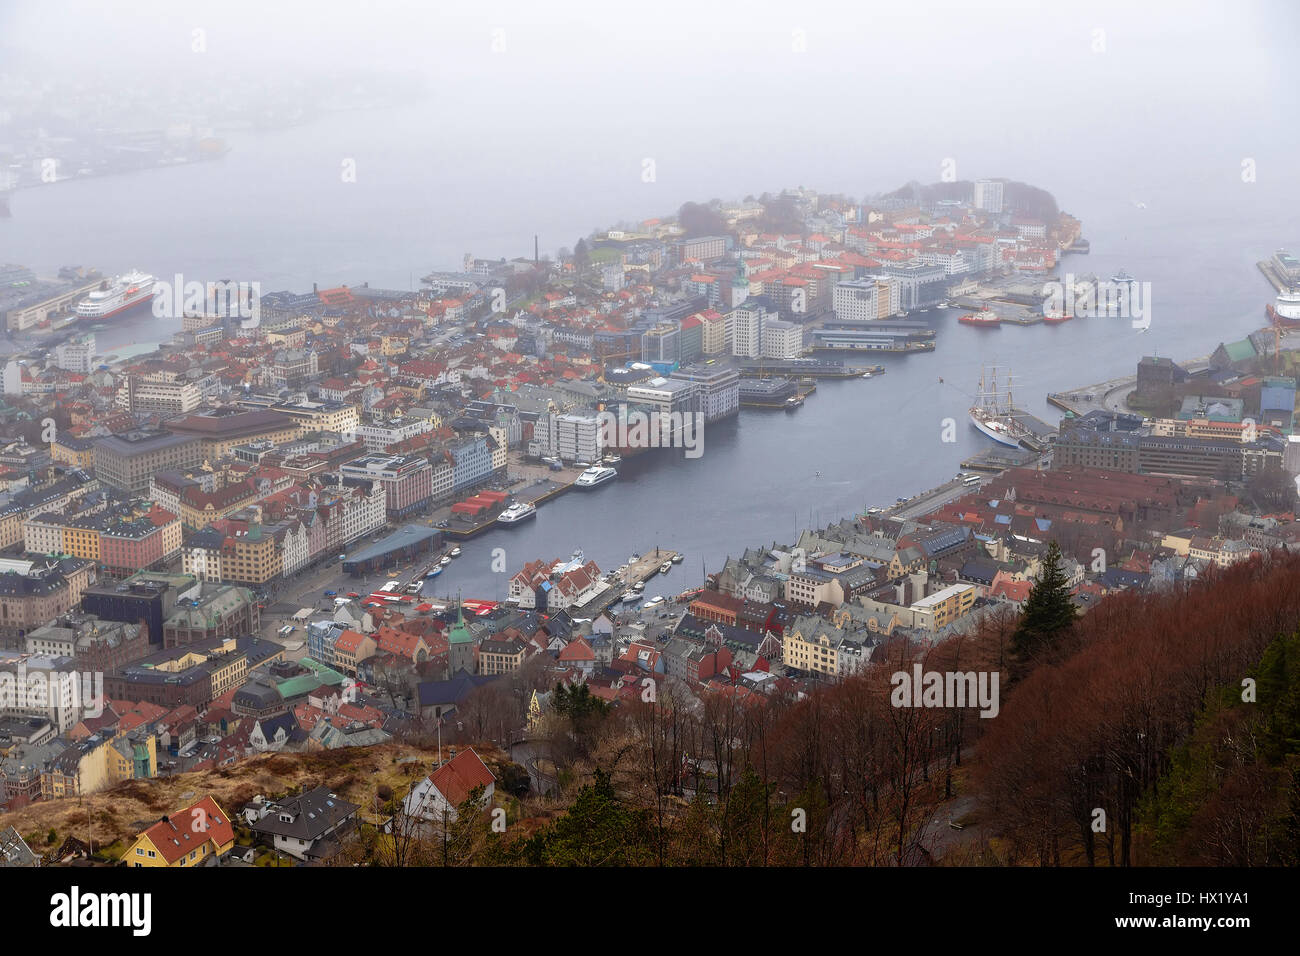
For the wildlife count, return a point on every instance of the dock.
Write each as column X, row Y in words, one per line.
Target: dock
column 1270, row 273
column 928, row 501
column 1041, row 434
column 643, row 569
column 997, row 460
column 796, row 368
column 463, row 528
column 880, row 336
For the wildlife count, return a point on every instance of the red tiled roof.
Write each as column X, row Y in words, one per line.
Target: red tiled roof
column 456, row 778
column 189, row 829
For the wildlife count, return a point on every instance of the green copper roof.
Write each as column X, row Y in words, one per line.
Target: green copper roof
column 459, row 633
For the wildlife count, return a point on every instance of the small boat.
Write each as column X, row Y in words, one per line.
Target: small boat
column 665, row 567
column 655, row 601
column 433, row 572
column 612, row 459
column 634, row 559
column 639, row 587
column 631, row 597
column 446, row 560
column 454, row 552
column 678, row 558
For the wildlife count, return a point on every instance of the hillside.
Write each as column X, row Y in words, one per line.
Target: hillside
column 122, row 811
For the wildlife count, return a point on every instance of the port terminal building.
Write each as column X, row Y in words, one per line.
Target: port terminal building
column 407, row 543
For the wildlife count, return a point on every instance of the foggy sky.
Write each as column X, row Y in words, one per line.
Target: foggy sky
column 715, row 93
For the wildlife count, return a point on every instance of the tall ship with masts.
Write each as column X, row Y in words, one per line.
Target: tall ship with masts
column 994, row 412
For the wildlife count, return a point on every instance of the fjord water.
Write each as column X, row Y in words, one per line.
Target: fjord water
column 275, row 210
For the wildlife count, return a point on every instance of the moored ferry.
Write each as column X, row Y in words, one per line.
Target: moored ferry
column 517, row 513
column 595, row 475
column 117, row 295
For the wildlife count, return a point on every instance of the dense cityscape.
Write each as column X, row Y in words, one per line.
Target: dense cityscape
column 341, row 574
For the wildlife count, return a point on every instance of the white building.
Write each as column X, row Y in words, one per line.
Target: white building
column 782, row 340
column 988, row 195
column 746, row 325
column 856, row 300
column 578, row 437
column 435, row 798
column 76, row 356
column 380, row 436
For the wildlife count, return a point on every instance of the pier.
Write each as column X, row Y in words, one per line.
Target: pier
column 797, row 368
column 997, row 460
column 641, row 570
column 1269, row 268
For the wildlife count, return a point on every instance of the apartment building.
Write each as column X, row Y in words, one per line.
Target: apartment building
column 717, row 389
column 407, row 481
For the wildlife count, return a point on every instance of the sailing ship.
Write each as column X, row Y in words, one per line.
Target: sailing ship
column 994, row 412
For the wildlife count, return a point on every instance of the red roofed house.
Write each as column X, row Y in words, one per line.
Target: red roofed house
column 190, row 838
column 578, row 653
column 436, row 797
column 1014, row 592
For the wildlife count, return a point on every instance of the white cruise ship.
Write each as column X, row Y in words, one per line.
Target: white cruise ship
column 517, row 513
column 117, row 295
column 595, row 475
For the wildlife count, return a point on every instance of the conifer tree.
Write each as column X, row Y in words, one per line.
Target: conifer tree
column 1048, row 610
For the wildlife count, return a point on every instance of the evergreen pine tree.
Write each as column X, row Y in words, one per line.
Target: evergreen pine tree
column 1048, row 610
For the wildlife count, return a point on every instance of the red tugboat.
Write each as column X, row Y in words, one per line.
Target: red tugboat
column 1056, row 316
column 985, row 318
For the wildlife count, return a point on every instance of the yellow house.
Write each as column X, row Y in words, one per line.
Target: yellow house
column 188, row 838
column 87, row 768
